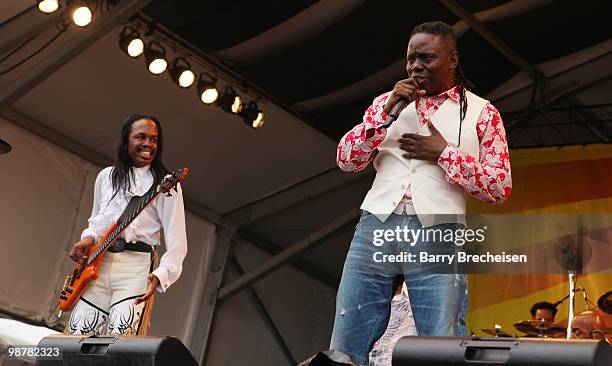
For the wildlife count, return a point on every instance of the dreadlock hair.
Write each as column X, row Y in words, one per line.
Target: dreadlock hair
column 123, row 171
column 446, row 32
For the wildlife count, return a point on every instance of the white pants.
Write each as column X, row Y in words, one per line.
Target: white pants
column 107, row 305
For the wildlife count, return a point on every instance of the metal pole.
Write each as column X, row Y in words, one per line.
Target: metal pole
column 286, row 255
column 304, row 266
column 570, row 312
column 490, row 37
column 217, row 268
column 306, row 191
column 259, row 305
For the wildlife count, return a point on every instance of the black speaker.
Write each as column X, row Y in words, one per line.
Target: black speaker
column 459, row 351
column 124, row 351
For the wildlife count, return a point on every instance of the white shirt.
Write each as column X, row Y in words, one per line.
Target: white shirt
column 163, row 212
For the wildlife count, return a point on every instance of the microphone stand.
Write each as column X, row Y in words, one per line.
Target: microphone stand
column 570, row 315
column 572, row 270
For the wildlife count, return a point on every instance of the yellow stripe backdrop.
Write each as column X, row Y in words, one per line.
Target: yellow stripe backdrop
column 505, row 300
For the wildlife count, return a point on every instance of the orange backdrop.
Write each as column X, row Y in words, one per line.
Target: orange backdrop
column 549, row 180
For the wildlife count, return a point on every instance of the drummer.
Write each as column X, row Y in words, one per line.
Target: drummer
column 588, row 325
column 543, row 310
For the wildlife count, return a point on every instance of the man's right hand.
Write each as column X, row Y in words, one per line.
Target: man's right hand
column 407, row 89
column 80, row 249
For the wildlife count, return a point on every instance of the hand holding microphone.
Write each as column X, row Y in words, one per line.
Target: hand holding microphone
column 413, row 145
column 405, row 92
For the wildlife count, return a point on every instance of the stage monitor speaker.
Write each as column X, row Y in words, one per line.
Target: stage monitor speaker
column 123, row 350
column 459, row 351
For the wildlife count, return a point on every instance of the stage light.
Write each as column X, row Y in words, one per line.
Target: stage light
column 229, row 101
column 130, row 42
column 156, row 58
column 181, row 74
column 252, row 115
column 81, row 14
column 207, row 89
column 48, row 6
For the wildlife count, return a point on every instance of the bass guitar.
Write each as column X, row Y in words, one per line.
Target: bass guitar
column 87, row 268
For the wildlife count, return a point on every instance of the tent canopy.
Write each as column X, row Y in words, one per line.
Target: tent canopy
column 313, row 67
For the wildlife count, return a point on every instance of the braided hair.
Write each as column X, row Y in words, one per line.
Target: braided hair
column 446, row 31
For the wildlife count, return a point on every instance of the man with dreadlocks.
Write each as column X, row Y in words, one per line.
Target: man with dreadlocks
column 115, row 302
column 445, row 144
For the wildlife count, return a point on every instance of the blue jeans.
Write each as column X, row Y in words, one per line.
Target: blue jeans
column 437, row 291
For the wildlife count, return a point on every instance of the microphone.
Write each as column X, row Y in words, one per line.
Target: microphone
column 395, row 111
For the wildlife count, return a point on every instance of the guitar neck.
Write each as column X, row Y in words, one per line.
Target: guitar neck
column 124, row 220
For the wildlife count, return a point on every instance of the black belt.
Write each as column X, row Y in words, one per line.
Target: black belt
column 121, row 245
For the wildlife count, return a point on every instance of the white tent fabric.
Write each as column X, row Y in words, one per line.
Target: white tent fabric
column 16, row 333
column 301, row 308
column 42, row 189
column 45, row 202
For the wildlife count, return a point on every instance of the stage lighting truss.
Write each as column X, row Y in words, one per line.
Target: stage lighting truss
column 181, row 73
column 155, row 58
column 207, row 88
column 229, row 101
column 252, row 115
column 80, row 12
column 131, row 43
column 47, row 6
column 184, row 76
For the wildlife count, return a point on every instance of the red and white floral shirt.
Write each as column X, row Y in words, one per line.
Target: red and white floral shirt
column 487, row 178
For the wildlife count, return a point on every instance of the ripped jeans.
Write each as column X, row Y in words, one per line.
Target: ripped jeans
column 437, row 289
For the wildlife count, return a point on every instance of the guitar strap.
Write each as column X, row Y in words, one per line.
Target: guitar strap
column 134, row 201
column 119, row 245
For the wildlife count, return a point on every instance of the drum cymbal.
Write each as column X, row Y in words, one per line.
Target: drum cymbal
column 4, row 147
column 605, row 302
column 496, row 332
column 539, row 327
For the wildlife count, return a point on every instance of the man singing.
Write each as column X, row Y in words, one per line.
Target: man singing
column 115, row 302
column 446, row 143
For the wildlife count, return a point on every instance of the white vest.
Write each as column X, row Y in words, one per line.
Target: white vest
column 435, row 200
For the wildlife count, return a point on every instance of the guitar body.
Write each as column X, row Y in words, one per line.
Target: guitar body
column 87, row 269
column 72, row 293
column 82, row 275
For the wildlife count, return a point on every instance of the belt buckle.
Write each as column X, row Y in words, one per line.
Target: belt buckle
column 405, row 203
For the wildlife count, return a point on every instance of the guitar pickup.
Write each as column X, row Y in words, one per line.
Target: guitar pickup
column 72, row 278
